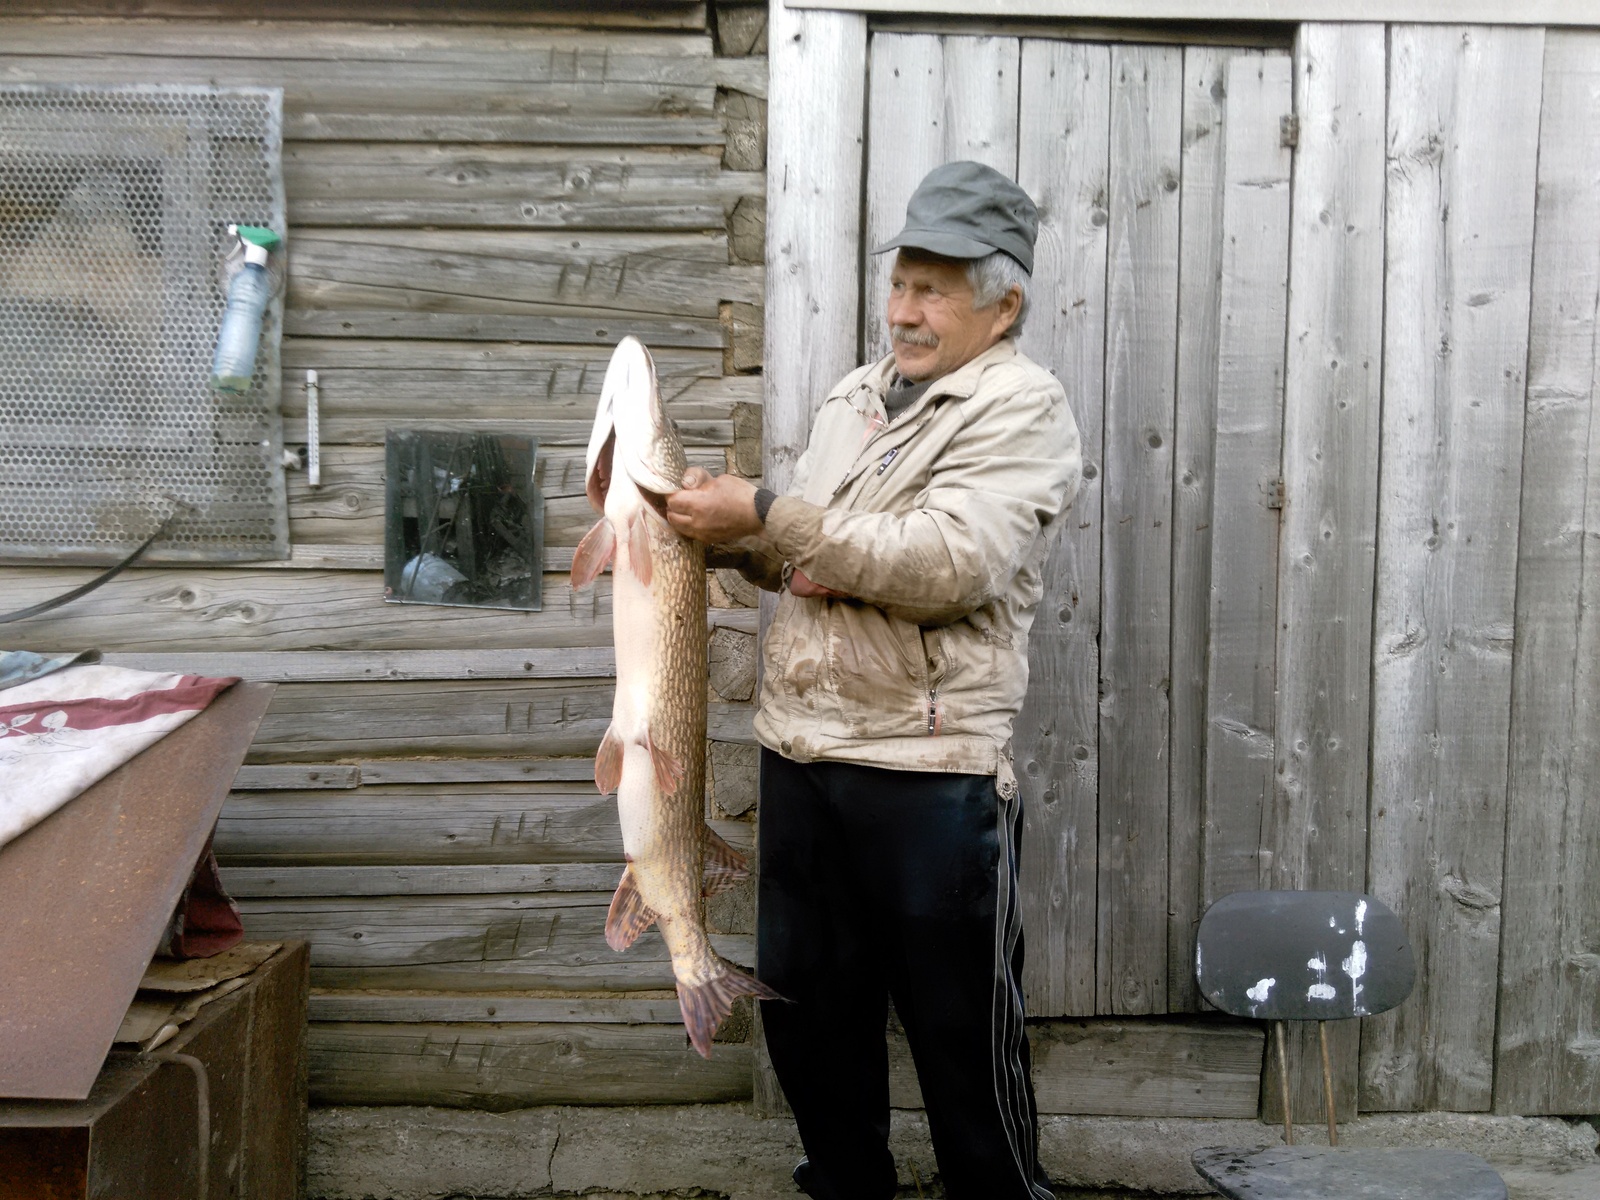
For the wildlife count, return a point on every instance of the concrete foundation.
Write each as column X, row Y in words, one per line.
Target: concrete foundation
column 724, row 1151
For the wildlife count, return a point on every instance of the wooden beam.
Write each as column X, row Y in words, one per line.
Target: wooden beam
column 327, row 666
column 503, row 1067
column 170, row 608
column 1485, row 12
column 1463, row 146
column 444, row 822
column 1194, row 423
column 404, row 184
column 815, row 129
column 533, row 941
column 1548, row 1053
column 481, row 1008
column 1241, row 666
column 605, row 14
column 1062, row 158
column 1195, row 1068
column 1136, row 574
column 1314, row 831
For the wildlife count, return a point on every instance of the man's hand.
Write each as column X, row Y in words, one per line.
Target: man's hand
column 713, row 508
column 799, row 585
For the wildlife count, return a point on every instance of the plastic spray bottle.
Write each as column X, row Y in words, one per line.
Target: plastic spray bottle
column 237, row 341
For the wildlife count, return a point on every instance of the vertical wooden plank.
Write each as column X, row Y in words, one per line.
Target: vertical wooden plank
column 1135, row 663
column 1463, row 154
column 1241, row 665
column 1199, row 254
column 1062, row 163
column 814, row 151
column 1314, row 832
column 815, row 134
column 934, row 100
column 1549, row 1032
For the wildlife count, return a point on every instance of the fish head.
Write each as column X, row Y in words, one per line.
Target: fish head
column 632, row 432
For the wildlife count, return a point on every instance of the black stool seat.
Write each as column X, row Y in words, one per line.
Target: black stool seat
column 1348, row 1173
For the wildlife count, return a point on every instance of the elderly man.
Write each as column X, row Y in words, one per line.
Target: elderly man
column 909, row 551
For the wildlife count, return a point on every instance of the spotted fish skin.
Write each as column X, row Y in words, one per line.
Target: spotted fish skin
column 653, row 754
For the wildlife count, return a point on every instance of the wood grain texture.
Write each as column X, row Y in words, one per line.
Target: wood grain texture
column 815, row 145
column 605, row 14
column 1314, row 832
column 328, row 666
column 465, row 84
column 1549, row 995
column 495, row 272
column 533, row 940
column 164, row 609
column 1062, row 163
column 479, row 1008
column 934, row 100
column 1136, row 573
column 364, row 185
column 814, row 163
column 1241, row 672
column 1199, row 263
column 1207, row 1069
column 501, row 1067
column 1463, row 156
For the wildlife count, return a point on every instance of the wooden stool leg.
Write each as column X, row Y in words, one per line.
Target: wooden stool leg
column 1283, row 1085
column 1327, row 1086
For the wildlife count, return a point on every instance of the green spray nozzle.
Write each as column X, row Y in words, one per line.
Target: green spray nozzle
column 256, row 235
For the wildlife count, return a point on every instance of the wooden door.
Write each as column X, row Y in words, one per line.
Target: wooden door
column 1130, row 152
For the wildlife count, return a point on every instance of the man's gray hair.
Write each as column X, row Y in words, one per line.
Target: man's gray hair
column 992, row 277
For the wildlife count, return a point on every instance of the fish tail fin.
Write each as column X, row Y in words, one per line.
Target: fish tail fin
column 629, row 915
column 639, row 548
column 669, row 771
column 725, row 867
column 707, row 1005
column 608, row 762
column 593, row 553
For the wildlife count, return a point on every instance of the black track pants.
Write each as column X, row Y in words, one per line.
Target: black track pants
column 878, row 883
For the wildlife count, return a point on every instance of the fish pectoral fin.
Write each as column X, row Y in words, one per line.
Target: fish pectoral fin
column 593, row 553
column 629, row 915
column 608, row 762
column 707, row 1005
column 725, row 867
column 639, row 548
column 669, row 771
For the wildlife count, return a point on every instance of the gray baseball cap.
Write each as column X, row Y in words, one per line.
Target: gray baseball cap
column 968, row 210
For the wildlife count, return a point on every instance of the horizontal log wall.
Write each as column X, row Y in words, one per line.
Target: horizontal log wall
column 477, row 212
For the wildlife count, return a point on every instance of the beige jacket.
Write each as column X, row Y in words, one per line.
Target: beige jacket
column 938, row 526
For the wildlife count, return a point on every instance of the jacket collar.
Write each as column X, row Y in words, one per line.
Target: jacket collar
column 960, row 383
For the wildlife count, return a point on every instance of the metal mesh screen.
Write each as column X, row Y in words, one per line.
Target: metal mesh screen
column 114, row 207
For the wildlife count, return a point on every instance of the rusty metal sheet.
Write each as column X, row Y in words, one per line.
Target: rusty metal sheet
column 87, row 892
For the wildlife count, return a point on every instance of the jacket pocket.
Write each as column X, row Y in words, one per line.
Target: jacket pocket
column 875, row 668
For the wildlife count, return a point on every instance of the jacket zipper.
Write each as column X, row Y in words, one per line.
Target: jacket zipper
column 935, row 713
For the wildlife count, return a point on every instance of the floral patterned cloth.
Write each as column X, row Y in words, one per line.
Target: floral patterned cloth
column 63, row 732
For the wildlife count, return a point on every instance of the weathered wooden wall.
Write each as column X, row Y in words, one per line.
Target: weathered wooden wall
column 1326, row 316
column 477, row 211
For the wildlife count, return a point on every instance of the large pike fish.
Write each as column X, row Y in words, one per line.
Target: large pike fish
column 654, row 754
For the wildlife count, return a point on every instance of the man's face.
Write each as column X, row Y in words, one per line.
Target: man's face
column 931, row 319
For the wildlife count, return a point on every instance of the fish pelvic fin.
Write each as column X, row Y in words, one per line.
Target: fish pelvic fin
column 593, row 553
column 608, row 762
column 669, row 771
column 707, row 1005
column 639, row 548
column 629, row 915
column 725, row 867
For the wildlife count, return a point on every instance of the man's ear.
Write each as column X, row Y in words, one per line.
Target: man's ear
column 1006, row 309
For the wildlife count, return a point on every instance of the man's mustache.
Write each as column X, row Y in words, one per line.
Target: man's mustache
column 913, row 337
